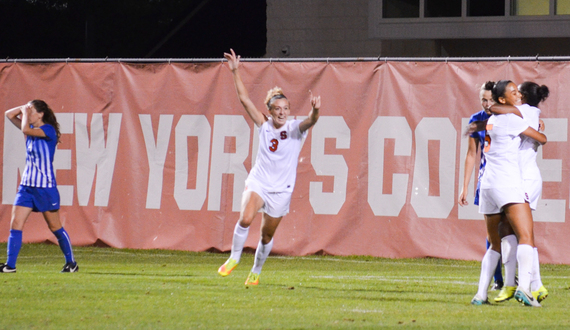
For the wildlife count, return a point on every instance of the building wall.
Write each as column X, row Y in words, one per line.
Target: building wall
column 340, row 28
column 331, row 28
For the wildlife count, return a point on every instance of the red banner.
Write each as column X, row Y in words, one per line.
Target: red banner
column 155, row 155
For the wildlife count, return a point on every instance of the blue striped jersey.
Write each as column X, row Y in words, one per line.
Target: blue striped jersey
column 39, row 159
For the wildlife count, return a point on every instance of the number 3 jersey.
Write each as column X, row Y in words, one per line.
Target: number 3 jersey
column 501, row 149
column 275, row 167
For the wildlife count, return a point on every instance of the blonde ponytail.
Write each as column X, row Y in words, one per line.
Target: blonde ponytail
column 274, row 94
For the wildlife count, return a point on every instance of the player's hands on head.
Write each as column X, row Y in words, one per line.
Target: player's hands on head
column 27, row 108
column 233, row 59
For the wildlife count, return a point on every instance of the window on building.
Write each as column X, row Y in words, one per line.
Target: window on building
column 531, row 7
column 442, row 8
column 563, row 7
column 486, row 8
column 400, row 8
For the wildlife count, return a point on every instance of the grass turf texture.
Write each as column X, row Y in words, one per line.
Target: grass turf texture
column 174, row 290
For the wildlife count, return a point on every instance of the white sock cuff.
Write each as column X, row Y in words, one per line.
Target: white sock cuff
column 241, row 230
column 495, row 255
column 525, row 248
column 510, row 238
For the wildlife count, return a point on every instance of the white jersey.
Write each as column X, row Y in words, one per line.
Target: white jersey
column 501, row 149
column 529, row 146
column 275, row 167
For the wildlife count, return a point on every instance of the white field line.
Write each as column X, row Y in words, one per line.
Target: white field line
column 368, row 261
column 419, row 279
column 365, row 311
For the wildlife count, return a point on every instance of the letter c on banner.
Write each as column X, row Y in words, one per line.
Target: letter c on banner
column 387, row 128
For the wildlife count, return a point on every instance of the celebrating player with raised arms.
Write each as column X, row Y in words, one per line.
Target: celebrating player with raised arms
column 270, row 183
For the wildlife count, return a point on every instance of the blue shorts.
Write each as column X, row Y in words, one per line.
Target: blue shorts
column 38, row 199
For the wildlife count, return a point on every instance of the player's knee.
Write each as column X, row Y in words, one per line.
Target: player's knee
column 245, row 222
column 266, row 238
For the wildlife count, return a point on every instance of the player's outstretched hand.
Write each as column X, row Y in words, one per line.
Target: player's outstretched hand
column 315, row 101
column 233, row 59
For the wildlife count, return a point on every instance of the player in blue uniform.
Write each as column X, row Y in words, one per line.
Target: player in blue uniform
column 38, row 188
column 476, row 141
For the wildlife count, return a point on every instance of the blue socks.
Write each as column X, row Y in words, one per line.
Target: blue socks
column 64, row 244
column 14, row 246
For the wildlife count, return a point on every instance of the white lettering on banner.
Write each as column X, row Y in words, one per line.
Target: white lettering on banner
column 95, row 153
column 230, row 163
column 552, row 210
column 13, row 161
column 156, row 154
column 383, row 128
column 198, row 126
column 471, row 211
column 442, row 130
column 330, row 165
column 62, row 159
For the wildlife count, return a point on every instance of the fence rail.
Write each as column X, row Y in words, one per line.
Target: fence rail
column 536, row 58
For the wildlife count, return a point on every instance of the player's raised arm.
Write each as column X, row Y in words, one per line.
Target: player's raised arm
column 313, row 115
column 14, row 116
column 501, row 109
column 233, row 63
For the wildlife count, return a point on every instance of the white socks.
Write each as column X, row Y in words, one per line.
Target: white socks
column 261, row 255
column 535, row 282
column 509, row 252
column 525, row 258
column 488, row 266
column 240, row 235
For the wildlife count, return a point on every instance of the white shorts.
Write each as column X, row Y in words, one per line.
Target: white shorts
column 533, row 188
column 275, row 204
column 491, row 201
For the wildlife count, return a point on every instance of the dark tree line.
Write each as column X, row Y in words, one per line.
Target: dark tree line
column 131, row 28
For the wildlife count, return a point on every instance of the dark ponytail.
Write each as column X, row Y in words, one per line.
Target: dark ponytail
column 499, row 90
column 49, row 115
column 532, row 93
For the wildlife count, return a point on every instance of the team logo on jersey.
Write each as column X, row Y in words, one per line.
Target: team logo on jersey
column 283, row 135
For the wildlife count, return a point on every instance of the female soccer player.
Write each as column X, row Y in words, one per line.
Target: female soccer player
column 502, row 191
column 38, row 189
column 532, row 95
column 270, row 183
column 476, row 141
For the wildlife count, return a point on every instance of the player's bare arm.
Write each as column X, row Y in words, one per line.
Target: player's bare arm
column 14, row 116
column 313, row 115
column 532, row 133
column 470, row 158
column 501, row 109
column 233, row 63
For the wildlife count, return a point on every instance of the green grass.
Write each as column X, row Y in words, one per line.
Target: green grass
column 144, row 289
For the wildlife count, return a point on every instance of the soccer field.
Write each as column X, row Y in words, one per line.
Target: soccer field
column 137, row 289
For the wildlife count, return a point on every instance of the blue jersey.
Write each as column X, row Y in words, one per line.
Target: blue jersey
column 39, row 159
column 479, row 116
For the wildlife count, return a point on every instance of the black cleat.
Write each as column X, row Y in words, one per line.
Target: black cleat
column 6, row 269
column 70, row 267
column 497, row 286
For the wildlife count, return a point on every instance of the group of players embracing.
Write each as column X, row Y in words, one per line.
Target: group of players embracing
column 509, row 132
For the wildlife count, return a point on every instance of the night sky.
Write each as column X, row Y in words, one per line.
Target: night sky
column 131, row 28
